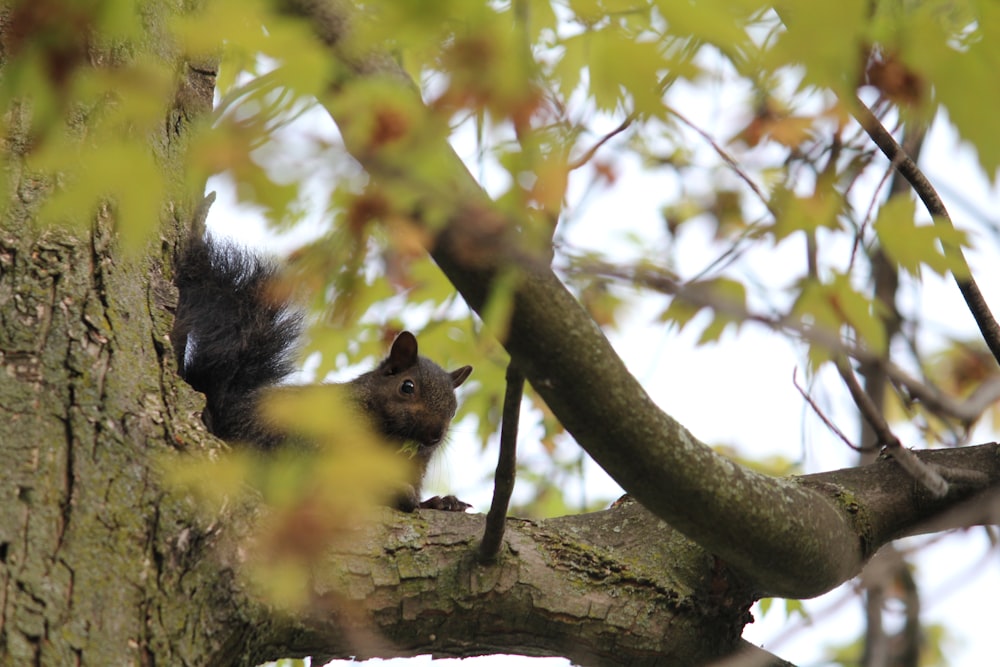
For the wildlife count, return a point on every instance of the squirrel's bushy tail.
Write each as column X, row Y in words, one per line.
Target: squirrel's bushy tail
column 232, row 336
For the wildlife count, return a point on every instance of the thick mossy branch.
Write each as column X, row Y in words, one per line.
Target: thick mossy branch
column 888, row 503
column 751, row 521
column 609, row 588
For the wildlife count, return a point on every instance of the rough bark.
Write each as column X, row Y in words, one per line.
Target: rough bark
column 98, row 566
column 609, row 588
column 601, row 589
column 90, row 544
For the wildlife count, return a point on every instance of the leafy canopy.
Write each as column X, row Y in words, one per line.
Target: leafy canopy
column 556, row 96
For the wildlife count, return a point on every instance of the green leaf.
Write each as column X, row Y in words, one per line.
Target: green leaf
column 805, row 214
column 568, row 70
column 952, row 48
column 602, row 52
column 541, row 18
column 711, row 21
column 859, row 311
column 796, row 607
column 499, row 305
column 725, row 297
column 827, row 307
column 680, row 312
column 825, row 38
column 911, row 246
column 604, row 67
column 765, row 605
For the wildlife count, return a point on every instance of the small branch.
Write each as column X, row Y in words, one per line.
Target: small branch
column 503, row 480
column 728, row 159
column 920, row 471
column 198, row 220
column 967, row 411
column 885, row 279
column 928, row 195
column 933, row 399
column 819, row 413
column 588, row 156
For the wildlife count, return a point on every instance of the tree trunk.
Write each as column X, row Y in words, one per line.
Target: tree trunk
column 98, row 566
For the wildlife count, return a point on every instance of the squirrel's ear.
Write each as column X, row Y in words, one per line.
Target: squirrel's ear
column 404, row 351
column 460, row 375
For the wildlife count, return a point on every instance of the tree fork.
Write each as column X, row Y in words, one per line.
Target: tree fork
column 750, row 520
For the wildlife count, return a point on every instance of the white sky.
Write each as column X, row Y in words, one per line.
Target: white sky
column 739, row 392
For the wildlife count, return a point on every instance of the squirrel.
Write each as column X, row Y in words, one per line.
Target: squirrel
column 234, row 341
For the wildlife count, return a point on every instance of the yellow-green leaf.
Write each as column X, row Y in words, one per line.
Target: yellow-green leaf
column 828, row 306
column 825, row 38
column 726, row 298
column 806, row 213
column 911, row 246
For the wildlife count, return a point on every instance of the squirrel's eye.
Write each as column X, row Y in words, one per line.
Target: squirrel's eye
column 408, row 387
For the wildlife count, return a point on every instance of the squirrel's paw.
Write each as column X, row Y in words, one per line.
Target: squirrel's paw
column 445, row 503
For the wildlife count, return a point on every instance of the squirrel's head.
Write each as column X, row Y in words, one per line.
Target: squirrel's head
column 410, row 398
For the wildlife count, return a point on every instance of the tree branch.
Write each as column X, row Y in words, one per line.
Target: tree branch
column 592, row 151
column 751, row 520
column 926, row 475
column 617, row 587
column 967, row 411
column 612, row 588
column 974, row 299
column 503, row 480
column 788, row 539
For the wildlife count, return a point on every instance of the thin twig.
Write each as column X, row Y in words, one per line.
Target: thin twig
column 200, row 216
column 586, row 157
column 885, row 287
column 503, row 481
column 826, row 420
column 928, row 195
column 966, row 411
column 728, row 159
column 920, row 471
